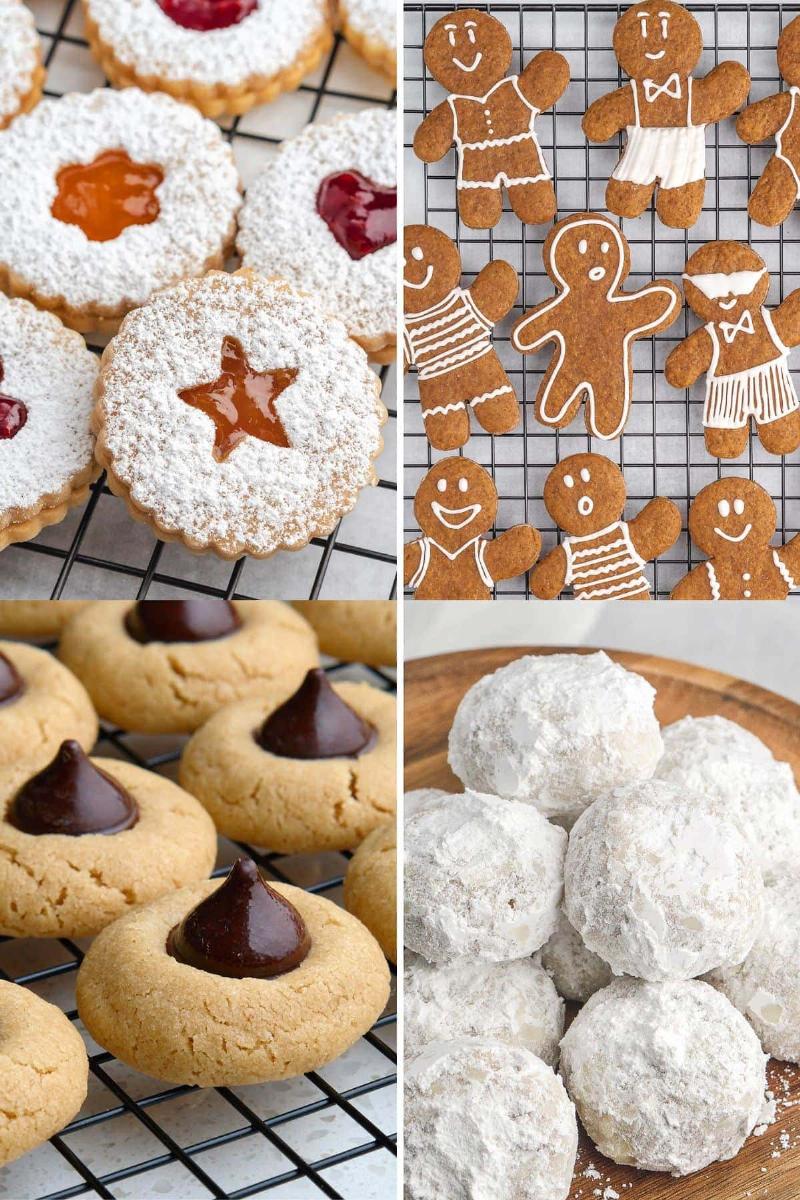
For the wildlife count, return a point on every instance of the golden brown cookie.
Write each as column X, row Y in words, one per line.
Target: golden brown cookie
column 43, row 1071
column 36, row 618
column 362, row 631
column 172, row 684
column 41, row 704
column 370, row 886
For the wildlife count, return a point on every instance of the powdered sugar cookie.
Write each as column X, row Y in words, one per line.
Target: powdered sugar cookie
column 370, row 27
column 21, row 72
column 234, row 416
column 222, row 57
column 575, row 970
column 778, row 187
column 323, row 216
column 107, row 197
column 47, row 377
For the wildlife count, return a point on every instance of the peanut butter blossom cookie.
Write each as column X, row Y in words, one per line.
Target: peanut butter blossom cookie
column 370, row 886
column 230, row 983
column 21, row 70
column 224, row 56
column 107, row 197
column 41, row 704
column 36, row 618
column 234, row 416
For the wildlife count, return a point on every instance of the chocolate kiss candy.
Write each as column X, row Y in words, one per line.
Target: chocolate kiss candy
column 315, row 723
column 243, row 930
column 72, row 796
column 11, row 685
column 181, row 620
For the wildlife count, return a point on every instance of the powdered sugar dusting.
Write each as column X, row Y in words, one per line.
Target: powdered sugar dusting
column 199, row 197
column 262, row 496
column 19, row 55
column 375, row 19
column 281, row 232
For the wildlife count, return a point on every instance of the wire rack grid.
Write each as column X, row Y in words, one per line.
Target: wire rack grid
column 662, row 450
column 98, row 551
column 329, row 1133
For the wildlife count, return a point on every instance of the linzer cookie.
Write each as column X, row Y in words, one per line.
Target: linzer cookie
column 778, row 116
column 490, row 117
column 447, row 337
column 323, row 216
column 47, row 378
column 743, row 350
column 370, row 27
column 233, row 415
column 107, row 197
column 455, row 507
column 21, row 71
column 224, row 56
column 602, row 557
column 733, row 521
column 664, row 112
column 592, row 324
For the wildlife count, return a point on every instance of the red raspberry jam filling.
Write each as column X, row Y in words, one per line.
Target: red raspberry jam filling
column 207, row 14
column 360, row 214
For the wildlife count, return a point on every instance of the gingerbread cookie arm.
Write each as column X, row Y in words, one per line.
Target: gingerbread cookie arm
column 786, row 319
column 689, row 360
column 719, row 94
column 694, row 586
column 609, row 114
column 655, row 528
column 545, row 79
column 789, row 555
column 513, row 552
column 537, row 325
column 548, row 578
column 654, row 307
column 412, row 559
column 764, row 118
column 434, row 136
column 494, row 289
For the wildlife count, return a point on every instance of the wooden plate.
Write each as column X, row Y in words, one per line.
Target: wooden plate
column 767, row 1166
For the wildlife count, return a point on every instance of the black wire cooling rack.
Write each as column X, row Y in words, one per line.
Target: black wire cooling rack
column 662, row 450
column 98, row 551
column 268, row 1125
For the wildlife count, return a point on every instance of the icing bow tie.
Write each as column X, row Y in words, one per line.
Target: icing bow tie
column 743, row 325
column 672, row 87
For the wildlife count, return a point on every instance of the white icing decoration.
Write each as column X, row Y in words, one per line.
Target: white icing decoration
column 730, row 329
column 764, row 391
column 738, row 507
column 569, row 481
column 441, row 485
column 476, row 545
column 417, row 254
column 19, row 55
column 467, row 514
column 463, row 485
column 604, row 563
column 585, row 474
column 670, row 87
column 716, row 284
column 730, row 537
column 463, row 326
column 724, row 508
column 794, row 92
column 491, row 114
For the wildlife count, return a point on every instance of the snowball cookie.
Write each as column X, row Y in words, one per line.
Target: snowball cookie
column 513, row 1002
column 665, row 1077
column 733, row 768
column 363, row 631
column 421, row 798
column 483, row 879
column 370, row 887
column 660, row 885
column 471, row 1105
column 576, row 972
column 555, row 730
column 766, row 986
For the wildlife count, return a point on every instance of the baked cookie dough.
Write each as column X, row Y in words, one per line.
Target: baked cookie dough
column 363, row 631
column 43, row 1071
column 41, row 704
column 574, row 969
column 370, row 887
column 296, row 798
column 173, row 686
column 36, row 618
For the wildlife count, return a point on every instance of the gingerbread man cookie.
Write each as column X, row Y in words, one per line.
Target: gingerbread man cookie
column 743, row 348
column 490, row 116
column 446, row 336
column 664, row 111
column 455, row 505
column 732, row 521
column 778, row 187
column 602, row 557
column 592, row 323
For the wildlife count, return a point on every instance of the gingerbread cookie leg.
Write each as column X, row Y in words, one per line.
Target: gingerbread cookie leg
column 727, row 443
column 496, row 408
column 444, row 414
column 480, row 208
column 775, row 194
column 534, row 203
column 781, row 436
column 559, row 398
column 680, row 207
column 628, row 199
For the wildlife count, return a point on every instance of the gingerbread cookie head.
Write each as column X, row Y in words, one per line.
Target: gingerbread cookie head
column 431, row 267
column 585, row 493
column 732, row 515
column 723, row 280
column 789, row 53
column 657, row 39
column 455, row 503
column 587, row 251
column 467, row 51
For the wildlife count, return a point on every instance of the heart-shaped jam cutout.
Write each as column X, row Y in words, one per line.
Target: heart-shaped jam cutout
column 13, row 413
column 203, row 15
column 104, row 197
column 360, row 214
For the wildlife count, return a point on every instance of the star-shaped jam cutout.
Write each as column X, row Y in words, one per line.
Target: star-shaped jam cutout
column 104, row 197
column 241, row 401
column 13, row 413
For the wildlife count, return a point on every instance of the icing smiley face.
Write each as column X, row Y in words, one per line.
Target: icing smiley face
column 584, row 493
column 431, row 267
column 468, row 51
column 732, row 513
column 725, row 280
column 587, row 250
column 455, row 503
column 655, row 39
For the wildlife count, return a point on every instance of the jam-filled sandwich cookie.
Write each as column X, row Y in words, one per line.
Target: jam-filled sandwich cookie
column 223, row 56
column 316, row 772
column 323, row 216
column 41, row 704
column 233, row 415
column 164, row 666
column 370, row 27
column 21, row 71
column 232, row 983
column 83, row 840
column 36, row 618
column 107, row 197
column 370, row 887
column 47, row 379
column 361, row 631
column 45, row 1071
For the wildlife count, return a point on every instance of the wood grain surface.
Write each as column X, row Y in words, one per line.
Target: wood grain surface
column 768, row 1166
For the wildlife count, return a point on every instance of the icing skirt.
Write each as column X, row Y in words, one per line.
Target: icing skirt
column 490, row 164
column 765, row 393
column 674, row 156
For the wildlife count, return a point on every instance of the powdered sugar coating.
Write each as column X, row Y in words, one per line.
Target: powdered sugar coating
column 198, row 199
column 19, row 55
column 575, row 970
column 265, row 43
column 50, row 370
column 373, row 19
column 513, row 1002
column 555, row 731
column 421, row 798
column 262, row 497
column 486, row 1121
column 665, row 1077
column 281, row 233
column 483, row 879
column 660, row 885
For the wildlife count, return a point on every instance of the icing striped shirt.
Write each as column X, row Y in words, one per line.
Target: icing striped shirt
column 450, row 335
column 604, row 564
